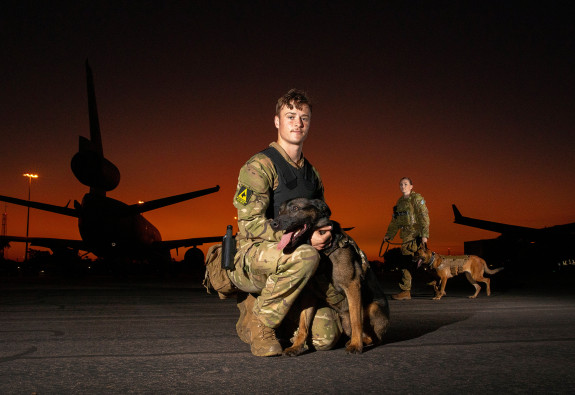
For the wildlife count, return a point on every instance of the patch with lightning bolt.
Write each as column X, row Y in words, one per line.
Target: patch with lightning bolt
column 243, row 196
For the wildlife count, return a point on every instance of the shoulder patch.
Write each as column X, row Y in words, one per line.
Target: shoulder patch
column 417, row 198
column 243, row 196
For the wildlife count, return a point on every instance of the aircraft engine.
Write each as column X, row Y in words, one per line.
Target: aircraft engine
column 95, row 171
column 194, row 256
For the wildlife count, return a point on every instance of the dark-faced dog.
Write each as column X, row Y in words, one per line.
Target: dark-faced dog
column 450, row 266
column 364, row 312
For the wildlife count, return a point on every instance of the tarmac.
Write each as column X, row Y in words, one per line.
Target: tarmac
column 150, row 336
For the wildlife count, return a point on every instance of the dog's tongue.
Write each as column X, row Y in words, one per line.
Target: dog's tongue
column 286, row 238
column 419, row 262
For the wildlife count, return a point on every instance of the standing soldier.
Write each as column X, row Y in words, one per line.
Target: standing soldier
column 411, row 218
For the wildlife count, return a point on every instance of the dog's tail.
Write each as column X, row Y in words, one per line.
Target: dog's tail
column 491, row 271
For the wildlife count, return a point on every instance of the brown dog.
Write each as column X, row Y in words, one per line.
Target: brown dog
column 364, row 312
column 450, row 266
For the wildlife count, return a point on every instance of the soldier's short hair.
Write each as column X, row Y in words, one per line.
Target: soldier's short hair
column 406, row 178
column 294, row 97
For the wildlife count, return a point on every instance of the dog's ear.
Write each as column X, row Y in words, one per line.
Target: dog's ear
column 322, row 208
column 419, row 243
column 336, row 226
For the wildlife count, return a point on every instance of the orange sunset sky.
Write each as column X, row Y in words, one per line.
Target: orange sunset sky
column 472, row 100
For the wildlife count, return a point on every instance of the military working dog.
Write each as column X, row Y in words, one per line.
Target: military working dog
column 364, row 312
column 446, row 267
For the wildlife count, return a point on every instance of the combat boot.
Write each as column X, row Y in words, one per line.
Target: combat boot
column 263, row 339
column 404, row 295
column 243, row 325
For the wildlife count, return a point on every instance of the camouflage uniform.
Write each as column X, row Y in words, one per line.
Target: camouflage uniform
column 261, row 268
column 411, row 218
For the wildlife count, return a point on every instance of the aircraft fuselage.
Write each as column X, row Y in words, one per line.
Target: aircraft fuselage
column 110, row 230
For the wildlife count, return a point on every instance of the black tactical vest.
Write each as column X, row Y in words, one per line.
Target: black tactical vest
column 293, row 183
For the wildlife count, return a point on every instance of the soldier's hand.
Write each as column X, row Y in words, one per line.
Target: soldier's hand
column 321, row 238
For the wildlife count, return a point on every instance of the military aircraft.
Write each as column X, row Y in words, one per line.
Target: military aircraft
column 110, row 228
column 524, row 243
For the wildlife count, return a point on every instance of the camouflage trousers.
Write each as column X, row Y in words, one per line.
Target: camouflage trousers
column 408, row 248
column 408, row 267
column 406, row 280
column 279, row 279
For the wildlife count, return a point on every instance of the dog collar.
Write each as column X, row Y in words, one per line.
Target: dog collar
column 432, row 259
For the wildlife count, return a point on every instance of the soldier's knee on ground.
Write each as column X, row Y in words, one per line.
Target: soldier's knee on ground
column 326, row 329
column 326, row 343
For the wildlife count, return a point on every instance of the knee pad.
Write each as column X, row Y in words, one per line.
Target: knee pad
column 326, row 329
column 327, row 342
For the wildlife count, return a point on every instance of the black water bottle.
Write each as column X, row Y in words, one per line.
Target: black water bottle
column 228, row 249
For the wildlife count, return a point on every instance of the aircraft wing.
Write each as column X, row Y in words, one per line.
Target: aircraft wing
column 133, row 209
column 47, row 242
column 192, row 242
column 41, row 206
column 494, row 226
column 154, row 204
column 55, row 244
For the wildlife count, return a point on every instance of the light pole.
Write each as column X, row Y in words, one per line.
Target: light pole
column 30, row 176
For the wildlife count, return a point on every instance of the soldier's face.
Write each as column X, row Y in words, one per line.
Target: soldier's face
column 293, row 124
column 405, row 187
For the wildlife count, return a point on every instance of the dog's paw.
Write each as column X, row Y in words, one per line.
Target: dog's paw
column 353, row 348
column 367, row 340
column 293, row 351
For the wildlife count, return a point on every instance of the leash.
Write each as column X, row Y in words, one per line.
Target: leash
column 390, row 243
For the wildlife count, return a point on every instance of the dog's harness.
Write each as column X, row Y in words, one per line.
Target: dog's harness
column 454, row 263
column 342, row 240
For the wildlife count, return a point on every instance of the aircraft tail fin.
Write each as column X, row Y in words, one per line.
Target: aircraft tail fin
column 95, row 135
column 89, row 165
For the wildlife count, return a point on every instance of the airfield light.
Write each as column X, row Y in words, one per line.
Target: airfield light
column 30, row 176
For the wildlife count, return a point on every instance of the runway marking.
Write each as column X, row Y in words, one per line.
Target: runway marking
column 91, row 356
column 54, row 333
column 18, row 356
column 490, row 309
column 396, row 345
